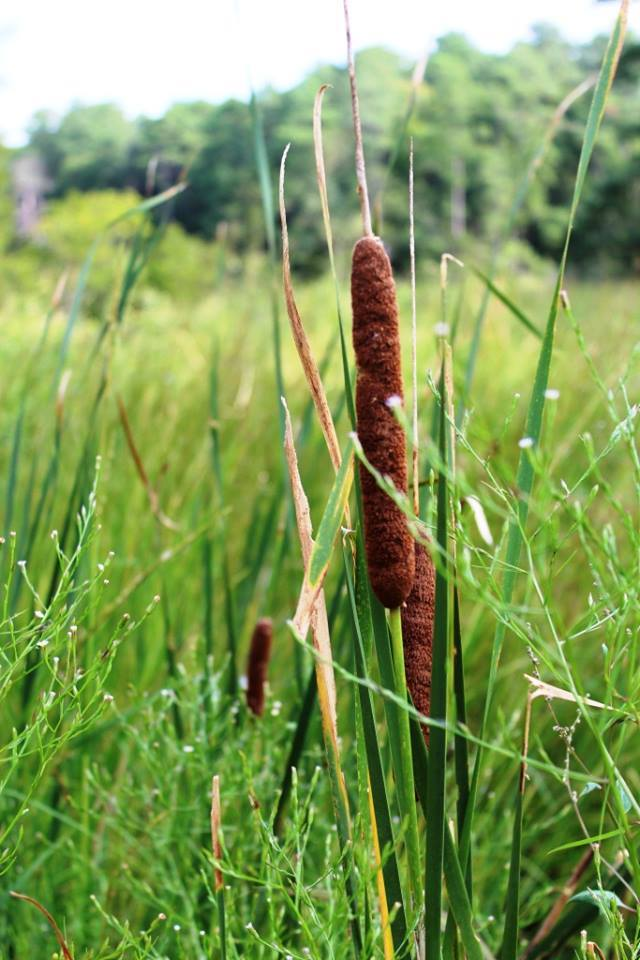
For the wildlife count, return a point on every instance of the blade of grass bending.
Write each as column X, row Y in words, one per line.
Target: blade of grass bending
column 518, row 201
column 85, row 270
column 144, row 243
column 309, row 366
column 363, row 625
column 322, row 548
column 456, row 888
column 66, row 953
column 508, row 303
column 435, row 814
column 525, row 473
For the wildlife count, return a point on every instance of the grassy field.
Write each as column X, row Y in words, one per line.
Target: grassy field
column 148, row 523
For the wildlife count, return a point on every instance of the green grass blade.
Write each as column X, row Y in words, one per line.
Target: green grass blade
column 435, row 813
column 525, row 472
column 362, row 629
column 456, row 886
column 508, row 302
column 331, row 519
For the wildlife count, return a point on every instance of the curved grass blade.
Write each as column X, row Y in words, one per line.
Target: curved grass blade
column 508, row 302
column 525, row 471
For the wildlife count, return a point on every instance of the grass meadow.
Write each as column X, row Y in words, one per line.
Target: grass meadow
column 149, row 522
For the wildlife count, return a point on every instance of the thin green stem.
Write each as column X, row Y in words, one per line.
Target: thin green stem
column 407, row 790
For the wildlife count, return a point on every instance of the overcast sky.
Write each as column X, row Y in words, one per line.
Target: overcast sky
column 147, row 54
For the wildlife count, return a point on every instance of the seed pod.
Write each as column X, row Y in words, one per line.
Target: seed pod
column 417, row 633
column 258, row 664
column 376, row 341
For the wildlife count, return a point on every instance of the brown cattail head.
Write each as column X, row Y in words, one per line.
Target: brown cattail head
column 376, row 341
column 417, row 633
column 258, row 664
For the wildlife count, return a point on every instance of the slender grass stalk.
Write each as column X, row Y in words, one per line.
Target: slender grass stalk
column 361, row 173
column 408, row 808
column 218, row 886
column 436, row 814
column 66, row 953
column 509, row 950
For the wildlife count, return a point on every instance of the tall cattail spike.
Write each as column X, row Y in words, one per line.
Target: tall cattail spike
column 258, row 664
column 376, row 341
column 417, row 633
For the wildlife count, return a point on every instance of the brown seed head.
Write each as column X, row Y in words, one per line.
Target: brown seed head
column 376, row 341
column 258, row 664
column 417, row 633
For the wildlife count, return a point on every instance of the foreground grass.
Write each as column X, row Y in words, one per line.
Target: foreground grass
column 113, row 836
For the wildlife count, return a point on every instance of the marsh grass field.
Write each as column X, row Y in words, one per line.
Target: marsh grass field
column 148, row 523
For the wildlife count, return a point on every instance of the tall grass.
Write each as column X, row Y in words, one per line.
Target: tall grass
column 121, row 685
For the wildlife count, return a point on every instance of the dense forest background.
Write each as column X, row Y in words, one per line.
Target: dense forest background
column 477, row 120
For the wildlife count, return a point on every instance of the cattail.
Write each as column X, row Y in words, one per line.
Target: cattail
column 258, row 664
column 376, row 341
column 417, row 633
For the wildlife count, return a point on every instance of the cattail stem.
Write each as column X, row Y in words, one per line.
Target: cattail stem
column 408, row 789
column 361, row 173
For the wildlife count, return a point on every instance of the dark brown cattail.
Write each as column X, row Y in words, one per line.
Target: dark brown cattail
column 258, row 664
column 376, row 341
column 417, row 633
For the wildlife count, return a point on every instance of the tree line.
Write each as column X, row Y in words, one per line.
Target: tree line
column 477, row 121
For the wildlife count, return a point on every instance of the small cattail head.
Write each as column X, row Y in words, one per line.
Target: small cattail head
column 258, row 664
column 417, row 633
column 376, row 341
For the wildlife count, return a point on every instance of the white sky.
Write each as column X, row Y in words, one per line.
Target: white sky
column 146, row 54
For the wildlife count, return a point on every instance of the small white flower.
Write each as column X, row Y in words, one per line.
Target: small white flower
column 393, row 401
column 188, row 748
column 525, row 443
column 42, row 644
column 441, row 329
column 552, row 393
